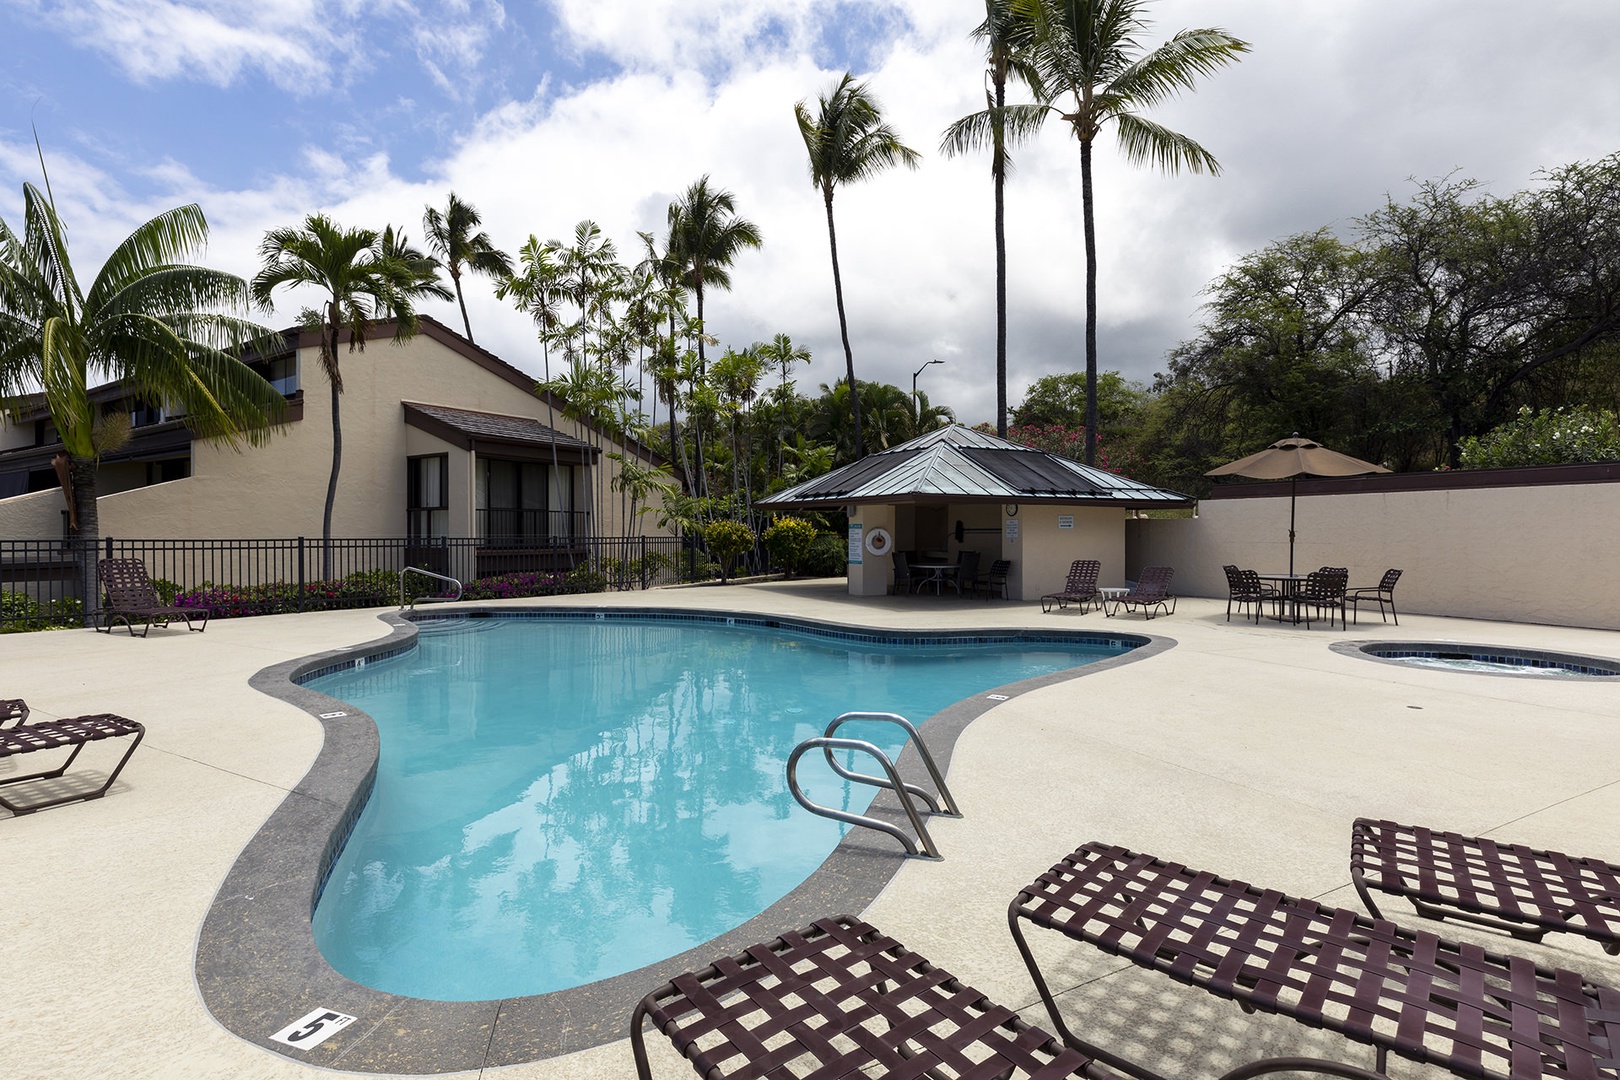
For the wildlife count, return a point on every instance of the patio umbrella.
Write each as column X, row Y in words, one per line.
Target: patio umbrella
column 1294, row 458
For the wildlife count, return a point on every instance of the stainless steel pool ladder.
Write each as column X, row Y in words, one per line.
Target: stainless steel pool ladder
column 827, row 742
column 426, row 599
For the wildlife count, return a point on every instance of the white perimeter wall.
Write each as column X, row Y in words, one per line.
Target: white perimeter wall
column 1545, row 554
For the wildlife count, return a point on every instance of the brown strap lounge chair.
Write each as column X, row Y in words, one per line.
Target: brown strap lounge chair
column 1380, row 594
column 841, row 1000
column 1152, row 590
column 1081, row 588
column 1510, row 887
column 77, row 732
column 130, row 596
column 13, row 709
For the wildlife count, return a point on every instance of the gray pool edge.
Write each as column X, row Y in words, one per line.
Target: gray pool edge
column 1361, row 649
column 257, row 965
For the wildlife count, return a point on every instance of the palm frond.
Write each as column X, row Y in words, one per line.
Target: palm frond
column 1176, row 66
column 1142, row 140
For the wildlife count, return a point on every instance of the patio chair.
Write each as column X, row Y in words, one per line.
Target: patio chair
column 1152, row 590
column 76, row 732
column 1244, row 588
column 1322, row 591
column 1382, row 593
column 1081, row 588
column 967, row 572
column 130, row 596
column 996, row 580
column 842, row 999
column 902, row 572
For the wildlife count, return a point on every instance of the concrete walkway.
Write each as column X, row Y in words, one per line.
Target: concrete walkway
column 1244, row 750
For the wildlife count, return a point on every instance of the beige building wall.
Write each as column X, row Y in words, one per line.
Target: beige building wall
column 279, row 489
column 1046, row 544
column 1543, row 554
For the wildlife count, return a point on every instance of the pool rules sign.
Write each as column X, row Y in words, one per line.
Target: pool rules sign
column 312, row 1029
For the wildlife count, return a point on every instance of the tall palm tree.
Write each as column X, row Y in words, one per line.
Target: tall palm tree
column 452, row 238
column 165, row 327
column 538, row 291
column 1087, row 50
column 705, row 237
column 783, row 354
column 1005, row 33
column 362, row 282
column 848, row 141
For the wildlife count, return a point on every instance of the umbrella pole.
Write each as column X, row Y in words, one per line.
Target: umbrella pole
column 1293, row 488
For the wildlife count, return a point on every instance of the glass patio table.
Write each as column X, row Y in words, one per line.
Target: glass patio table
column 937, row 573
column 1287, row 588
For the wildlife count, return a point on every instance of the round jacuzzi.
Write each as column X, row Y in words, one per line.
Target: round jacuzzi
column 1483, row 659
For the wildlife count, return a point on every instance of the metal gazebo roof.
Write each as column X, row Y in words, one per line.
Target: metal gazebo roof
column 959, row 464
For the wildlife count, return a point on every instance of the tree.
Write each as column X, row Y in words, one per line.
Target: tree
column 1061, row 400
column 170, row 330
column 1005, row 33
column 1548, row 437
column 538, row 291
column 847, row 142
column 781, row 353
column 450, row 234
column 1087, row 50
column 362, row 282
column 705, row 238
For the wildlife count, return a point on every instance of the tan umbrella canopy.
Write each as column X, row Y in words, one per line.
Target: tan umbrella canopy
column 1293, row 458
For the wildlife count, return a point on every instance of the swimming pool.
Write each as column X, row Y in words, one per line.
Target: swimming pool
column 561, row 801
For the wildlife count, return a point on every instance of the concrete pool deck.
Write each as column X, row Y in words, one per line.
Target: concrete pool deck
column 1244, row 750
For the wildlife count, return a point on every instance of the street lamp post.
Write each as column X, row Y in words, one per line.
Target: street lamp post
column 914, row 375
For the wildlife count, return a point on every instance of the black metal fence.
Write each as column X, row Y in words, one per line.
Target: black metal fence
column 41, row 580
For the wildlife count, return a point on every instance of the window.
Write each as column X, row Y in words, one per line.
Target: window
column 281, row 373
column 427, row 512
column 523, row 503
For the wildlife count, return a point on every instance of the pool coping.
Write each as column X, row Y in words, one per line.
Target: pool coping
column 257, row 966
column 1552, row 658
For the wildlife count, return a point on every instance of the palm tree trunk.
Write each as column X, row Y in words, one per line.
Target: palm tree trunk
column 703, row 368
column 337, row 465
column 82, row 477
column 465, row 325
column 1091, row 301
column 843, row 330
column 998, row 166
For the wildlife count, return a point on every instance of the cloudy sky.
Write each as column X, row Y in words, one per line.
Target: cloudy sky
column 544, row 112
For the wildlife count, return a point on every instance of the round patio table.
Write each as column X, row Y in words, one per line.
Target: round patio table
column 1287, row 589
column 936, row 576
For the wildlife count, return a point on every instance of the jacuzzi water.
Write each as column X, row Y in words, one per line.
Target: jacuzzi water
column 1488, row 666
column 559, row 801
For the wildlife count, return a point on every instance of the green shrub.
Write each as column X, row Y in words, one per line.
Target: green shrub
column 726, row 540
column 585, row 579
column 789, row 540
column 1549, row 437
column 20, row 613
column 828, row 557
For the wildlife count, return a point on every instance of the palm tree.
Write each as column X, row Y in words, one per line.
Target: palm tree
column 1087, row 50
column 150, row 319
column 453, row 240
column 1005, row 33
column 538, row 291
column 362, row 282
column 705, row 237
column 848, row 141
column 781, row 352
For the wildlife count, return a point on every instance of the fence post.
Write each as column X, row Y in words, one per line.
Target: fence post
column 300, row 574
column 644, row 563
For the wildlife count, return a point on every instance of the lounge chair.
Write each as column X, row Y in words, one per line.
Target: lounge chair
column 1152, row 590
column 1081, row 588
column 76, row 732
column 1244, row 588
column 1381, row 594
column 841, row 999
column 1510, row 887
column 996, row 580
column 13, row 709
column 130, row 595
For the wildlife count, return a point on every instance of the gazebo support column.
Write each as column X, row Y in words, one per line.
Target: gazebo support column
column 874, row 574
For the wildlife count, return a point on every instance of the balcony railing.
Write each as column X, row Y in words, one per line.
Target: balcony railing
column 531, row 528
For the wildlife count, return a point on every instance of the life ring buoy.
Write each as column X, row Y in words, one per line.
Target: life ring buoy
column 879, row 542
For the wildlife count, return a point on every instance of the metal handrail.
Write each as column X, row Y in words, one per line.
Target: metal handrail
column 951, row 809
column 895, row 784
column 426, row 599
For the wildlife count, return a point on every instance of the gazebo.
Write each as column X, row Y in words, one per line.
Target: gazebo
column 957, row 489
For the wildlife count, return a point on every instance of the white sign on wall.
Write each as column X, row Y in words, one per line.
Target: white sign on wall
column 1012, row 530
column 855, row 544
column 1065, row 521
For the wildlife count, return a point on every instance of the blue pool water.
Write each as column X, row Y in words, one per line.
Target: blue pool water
column 559, row 801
